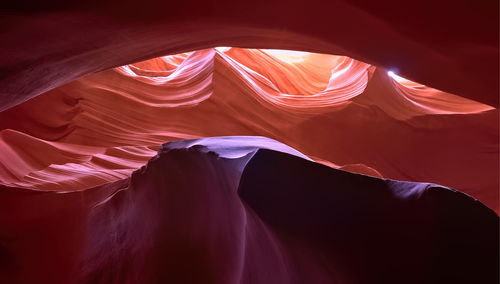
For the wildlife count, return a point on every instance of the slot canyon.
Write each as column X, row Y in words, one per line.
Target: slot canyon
column 261, row 142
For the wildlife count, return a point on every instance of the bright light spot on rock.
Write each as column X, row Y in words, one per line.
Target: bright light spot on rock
column 397, row 78
column 290, row 56
column 222, row 48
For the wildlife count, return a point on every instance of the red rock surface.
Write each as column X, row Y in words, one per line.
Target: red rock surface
column 90, row 92
column 103, row 126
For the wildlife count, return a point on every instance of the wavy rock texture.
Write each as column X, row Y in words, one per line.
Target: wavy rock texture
column 89, row 192
column 246, row 210
column 337, row 110
column 449, row 45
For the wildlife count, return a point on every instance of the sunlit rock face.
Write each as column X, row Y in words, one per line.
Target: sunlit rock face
column 281, row 167
column 334, row 109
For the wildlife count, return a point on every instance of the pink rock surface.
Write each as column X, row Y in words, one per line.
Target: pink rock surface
column 103, row 126
column 353, row 96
